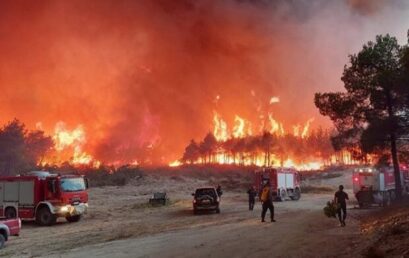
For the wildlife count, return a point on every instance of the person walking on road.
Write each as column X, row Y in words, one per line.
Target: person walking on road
column 219, row 191
column 266, row 198
column 340, row 199
column 252, row 197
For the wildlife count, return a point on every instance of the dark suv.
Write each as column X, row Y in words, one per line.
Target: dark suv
column 206, row 199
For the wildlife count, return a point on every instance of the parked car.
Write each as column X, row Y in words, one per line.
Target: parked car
column 206, row 199
column 9, row 227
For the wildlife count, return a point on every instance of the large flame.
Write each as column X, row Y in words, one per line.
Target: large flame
column 68, row 146
column 219, row 128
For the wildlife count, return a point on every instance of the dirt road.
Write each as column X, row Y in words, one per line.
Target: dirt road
column 120, row 224
column 300, row 231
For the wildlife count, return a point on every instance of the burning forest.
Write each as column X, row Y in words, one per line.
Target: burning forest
column 268, row 143
column 122, row 120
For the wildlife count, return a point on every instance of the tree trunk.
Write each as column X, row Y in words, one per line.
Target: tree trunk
column 396, row 168
column 394, row 151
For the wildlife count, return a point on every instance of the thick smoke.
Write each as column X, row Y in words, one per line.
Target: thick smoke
column 143, row 76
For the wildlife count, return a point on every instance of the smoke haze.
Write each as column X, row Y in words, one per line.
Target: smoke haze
column 143, row 77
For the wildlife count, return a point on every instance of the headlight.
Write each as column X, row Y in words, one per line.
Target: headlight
column 64, row 209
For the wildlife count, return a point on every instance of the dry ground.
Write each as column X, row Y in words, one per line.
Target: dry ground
column 121, row 224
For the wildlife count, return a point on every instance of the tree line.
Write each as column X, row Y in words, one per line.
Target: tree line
column 267, row 147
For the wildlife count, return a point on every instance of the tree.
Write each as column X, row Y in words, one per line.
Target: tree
column 12, row 147
column 21, row 150
column 208, row 147
column 370, row 114
column 37, row 145
column 267, row 141
column 192, row 152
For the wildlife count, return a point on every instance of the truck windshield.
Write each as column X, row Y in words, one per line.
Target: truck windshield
column 72, row 184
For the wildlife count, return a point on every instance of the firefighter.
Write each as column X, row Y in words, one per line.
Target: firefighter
column 266, row 198
column 219, row 191
column 252, row 197
column 340, row 199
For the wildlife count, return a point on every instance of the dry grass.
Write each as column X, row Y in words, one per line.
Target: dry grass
column 316, row 189
column 121, row 234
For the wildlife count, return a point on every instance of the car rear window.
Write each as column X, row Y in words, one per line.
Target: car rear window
column 206, row 191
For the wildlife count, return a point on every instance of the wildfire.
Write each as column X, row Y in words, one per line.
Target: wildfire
column 175, row 163
column 276, row 127
column 68, row 145
column 306, row 128
column 242, row 129
column 220, row 127
column 297, row 132
column 274, row 100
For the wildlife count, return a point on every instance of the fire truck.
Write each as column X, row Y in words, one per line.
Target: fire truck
column 377, row 185
column 43, row 197
column 285, row 182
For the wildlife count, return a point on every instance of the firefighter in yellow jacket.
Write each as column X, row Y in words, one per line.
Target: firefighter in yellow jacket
column 266, row 197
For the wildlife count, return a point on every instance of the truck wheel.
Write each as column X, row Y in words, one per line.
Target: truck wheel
column 75, row 218
column 44, row 217
column 2, row 241
column 10, row 213
column 297, row 194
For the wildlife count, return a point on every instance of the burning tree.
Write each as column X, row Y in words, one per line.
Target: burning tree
column 271, row 147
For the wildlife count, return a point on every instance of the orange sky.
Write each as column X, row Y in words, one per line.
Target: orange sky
column 146, row 73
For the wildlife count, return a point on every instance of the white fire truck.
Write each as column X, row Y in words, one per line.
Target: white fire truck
column 285, row 182
column 377, row 185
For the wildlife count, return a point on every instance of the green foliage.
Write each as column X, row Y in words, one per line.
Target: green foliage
column 373, row 112
column 371, row 108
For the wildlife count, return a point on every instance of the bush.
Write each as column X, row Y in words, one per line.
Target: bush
column 330, row 210
column 102, row 176
column 115, row 177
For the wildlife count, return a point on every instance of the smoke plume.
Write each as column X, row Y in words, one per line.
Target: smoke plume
column 144, row 77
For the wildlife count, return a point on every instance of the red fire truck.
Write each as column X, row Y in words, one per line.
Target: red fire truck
column 285, row 182
column 377, row 185
column 44, row 197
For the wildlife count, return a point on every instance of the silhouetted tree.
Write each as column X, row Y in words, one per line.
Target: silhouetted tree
column 21, row 150
column 12, row 147
column 266, row 142
column 37, row 146
column 208, row 147
column 192, row 152
column 371, row 113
